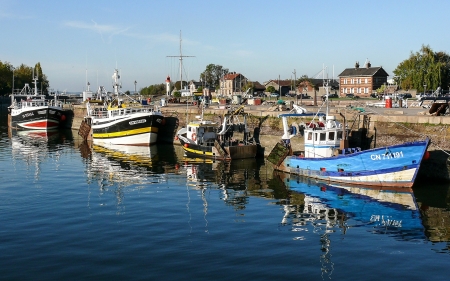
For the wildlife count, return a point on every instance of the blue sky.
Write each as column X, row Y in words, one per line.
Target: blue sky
column 263, row 40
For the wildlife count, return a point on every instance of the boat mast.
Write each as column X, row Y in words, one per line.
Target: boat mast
column 181, row 73
column 35, row 78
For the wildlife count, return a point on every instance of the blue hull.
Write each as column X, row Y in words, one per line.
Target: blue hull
column 387, row 166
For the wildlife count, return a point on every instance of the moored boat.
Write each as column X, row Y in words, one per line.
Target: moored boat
column 327, row 157
column 209, row 139
column 123, row 120
column 30, row 110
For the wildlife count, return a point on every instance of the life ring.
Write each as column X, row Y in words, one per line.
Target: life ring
column 194, row 137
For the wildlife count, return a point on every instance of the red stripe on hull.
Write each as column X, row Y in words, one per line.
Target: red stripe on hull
column 42, row 125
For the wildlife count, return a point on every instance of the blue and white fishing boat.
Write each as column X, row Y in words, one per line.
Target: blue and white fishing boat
column 327, row 157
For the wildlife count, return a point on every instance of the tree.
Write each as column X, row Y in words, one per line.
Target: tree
column 424, row 68
column 177, row 85
column 22, row 75
column 154, row 90
column 271, row 89
column 212, row 74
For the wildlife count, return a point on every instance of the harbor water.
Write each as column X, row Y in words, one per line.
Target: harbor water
column 70, row 211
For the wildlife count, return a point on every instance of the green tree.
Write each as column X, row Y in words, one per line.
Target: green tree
column 424, row 68
column 271, row 89
column 212, row 74
column 5, row 78
column 154, row 90
column 22, row 75
column 177, row 85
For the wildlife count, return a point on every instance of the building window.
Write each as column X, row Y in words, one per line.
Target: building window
column 365, row 81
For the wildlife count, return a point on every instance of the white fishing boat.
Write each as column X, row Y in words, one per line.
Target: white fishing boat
column 122, row 120
column 30, row 110
column 327, row 155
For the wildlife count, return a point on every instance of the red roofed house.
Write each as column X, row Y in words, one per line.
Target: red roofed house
column 231, row 83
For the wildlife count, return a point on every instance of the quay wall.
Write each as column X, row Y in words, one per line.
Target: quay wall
column 368, row 128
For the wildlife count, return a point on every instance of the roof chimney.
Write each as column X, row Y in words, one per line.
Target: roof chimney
column 357, row 65
column 368, row 64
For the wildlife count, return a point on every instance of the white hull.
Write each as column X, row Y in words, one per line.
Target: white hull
column 141, row 139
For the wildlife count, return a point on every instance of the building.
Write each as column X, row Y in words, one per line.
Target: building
column 315, row 85
column 281, row 86
column 362, row 81
column 232, row 83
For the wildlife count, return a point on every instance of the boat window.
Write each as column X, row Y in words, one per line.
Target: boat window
column 322, row 136
column 309, row 136
column 339, row 135
column 315, row 136
column 189, row 129
column 331, row 136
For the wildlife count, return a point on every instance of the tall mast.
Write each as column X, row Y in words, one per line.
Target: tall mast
column 181, row 74
column 181, row 62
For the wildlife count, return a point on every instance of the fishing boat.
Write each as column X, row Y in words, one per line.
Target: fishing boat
column 122, row 120
column 30, row 110
column 327, row 157
column 209, row 139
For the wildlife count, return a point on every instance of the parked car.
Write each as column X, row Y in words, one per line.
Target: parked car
column 330, row 96
column 274, row 95
column 303, row 96
column 405, row 96
column 351, row 96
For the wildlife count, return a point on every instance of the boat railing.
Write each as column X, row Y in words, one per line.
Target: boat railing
column 38, row 103
column 101, row 113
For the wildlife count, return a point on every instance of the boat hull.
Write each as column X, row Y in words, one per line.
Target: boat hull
column 140, row 129
column 193, row 150
column 394, row 166
column 37, row 118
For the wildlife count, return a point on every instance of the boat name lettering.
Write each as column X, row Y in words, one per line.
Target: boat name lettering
column 42, row 111
column 51, row 112
column 27, row 114
column 137, row 122
column 387, row 155
column 386, row 221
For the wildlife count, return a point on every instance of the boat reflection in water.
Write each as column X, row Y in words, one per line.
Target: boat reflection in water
column 34, row 147
column 123, row 165
column 386, row 211
column 323, row 209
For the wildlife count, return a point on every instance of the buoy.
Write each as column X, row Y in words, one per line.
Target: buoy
column 426, row 155
column 63, row 117
column 194, row 137
column 186, row 145
column 176, row 137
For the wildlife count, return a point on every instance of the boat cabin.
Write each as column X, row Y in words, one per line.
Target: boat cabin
column 202, row 132
column 323, row 139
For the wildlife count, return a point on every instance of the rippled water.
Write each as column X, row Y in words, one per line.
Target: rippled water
column 72, row 212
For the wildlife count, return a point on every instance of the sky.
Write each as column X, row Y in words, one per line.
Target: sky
column 84, row 41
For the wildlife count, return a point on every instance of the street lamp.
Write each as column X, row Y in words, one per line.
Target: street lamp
column 135, row 86
column 295, row 86
column 424, row 89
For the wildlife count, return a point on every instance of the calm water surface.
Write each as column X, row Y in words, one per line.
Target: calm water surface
column 72, row 212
